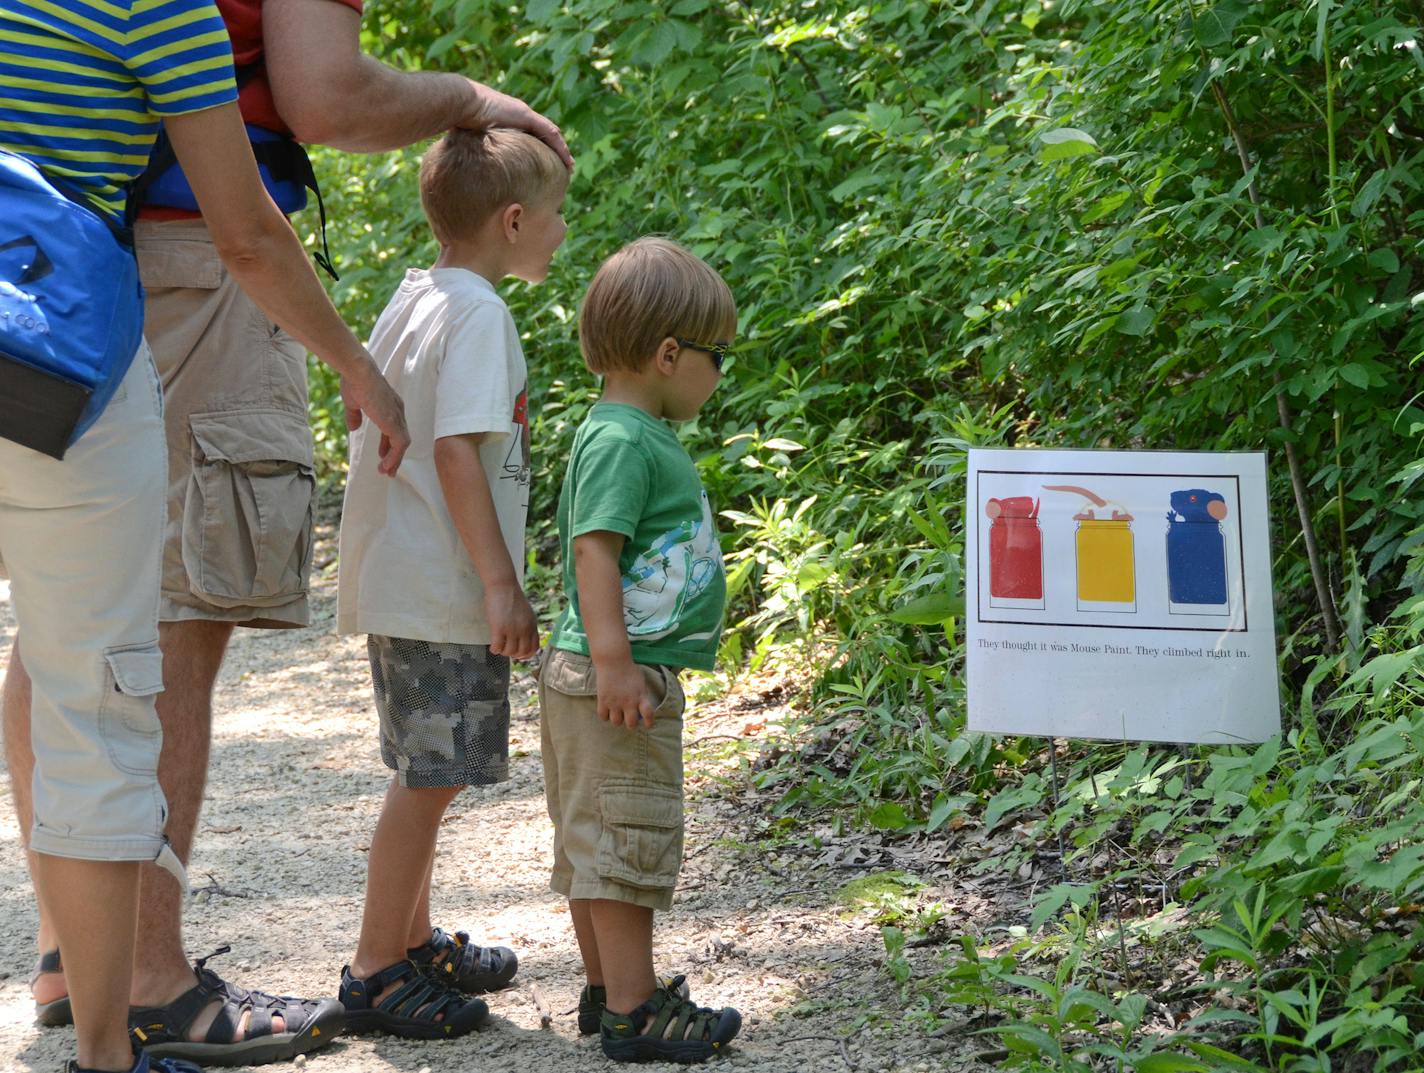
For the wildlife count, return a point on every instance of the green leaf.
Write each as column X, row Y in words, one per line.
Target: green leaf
column 1104, row 206
column 1355, row 374
column 1065, row 143
column 889, row 816
column 857, row 182
column 930, row 610
column 1384, row 259
column 1136, row 321
column 1162, row 1062
column 1215, row 26
column 1322, row 18
column 657, row 45
column 943, row 808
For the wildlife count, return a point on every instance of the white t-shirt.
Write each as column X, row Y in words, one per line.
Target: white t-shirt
column 447, row 344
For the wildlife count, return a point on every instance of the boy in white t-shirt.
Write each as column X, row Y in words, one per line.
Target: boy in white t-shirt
column 432, row 564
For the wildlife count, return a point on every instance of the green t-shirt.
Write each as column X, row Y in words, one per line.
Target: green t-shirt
column 629, row 474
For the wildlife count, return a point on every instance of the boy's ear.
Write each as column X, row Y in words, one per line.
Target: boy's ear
column 665, row 357
column 510, row 219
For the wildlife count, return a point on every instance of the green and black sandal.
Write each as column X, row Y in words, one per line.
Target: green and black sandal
column 667, row 1028
column 593, row 1000
column 421, row 1007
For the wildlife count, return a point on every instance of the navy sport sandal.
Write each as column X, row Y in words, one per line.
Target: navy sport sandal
column 594, row 999
column 422, row 1007
column 667, row 1028
column 465, row 966
column 144, row 1064
column 57, row 1013
column 163, row 1031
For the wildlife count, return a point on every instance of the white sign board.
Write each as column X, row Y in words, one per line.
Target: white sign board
column 1120, row 594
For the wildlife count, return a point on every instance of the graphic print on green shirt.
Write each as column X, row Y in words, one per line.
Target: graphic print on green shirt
column 629, row 474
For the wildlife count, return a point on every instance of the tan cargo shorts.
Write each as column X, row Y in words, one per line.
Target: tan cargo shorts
column 241, row 485
column 614, row 794
column 79, row 541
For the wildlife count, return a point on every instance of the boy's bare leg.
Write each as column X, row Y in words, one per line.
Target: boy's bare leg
column 624, row 936
column 582, row 914
column 398, row 869
column 420, row 926
column 92, row 907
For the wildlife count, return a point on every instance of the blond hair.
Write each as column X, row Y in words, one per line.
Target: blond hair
column 468, row 175
column 649, row 290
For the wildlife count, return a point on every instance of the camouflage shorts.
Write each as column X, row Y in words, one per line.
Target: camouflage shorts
column 444, row 711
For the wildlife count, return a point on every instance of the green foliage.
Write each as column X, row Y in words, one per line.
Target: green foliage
column 1084, row 223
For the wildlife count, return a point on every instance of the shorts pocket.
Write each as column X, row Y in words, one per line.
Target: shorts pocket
column 249, row 508
column 127, row 718
column 569, row 673
column 165, row 263
column 641, row 841
column 670, row 702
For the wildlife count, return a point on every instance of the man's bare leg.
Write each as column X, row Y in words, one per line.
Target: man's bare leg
column 20, row 761
column 91, row 906
column 192, row 656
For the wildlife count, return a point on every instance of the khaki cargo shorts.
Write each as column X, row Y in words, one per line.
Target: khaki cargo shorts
column 614, row 794
column 241, row 486
column 79, row 540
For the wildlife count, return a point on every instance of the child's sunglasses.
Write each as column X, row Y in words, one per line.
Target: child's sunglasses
column 719, row 351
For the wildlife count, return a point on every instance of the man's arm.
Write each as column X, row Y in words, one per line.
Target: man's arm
column 513, row 632
column 330, row 93
column 267, row 259
column 622, row 691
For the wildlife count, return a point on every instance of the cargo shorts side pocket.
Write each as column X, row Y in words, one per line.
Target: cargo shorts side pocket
column 641, row 841
column 249, row 509
column 568, row 673
column 127, row 719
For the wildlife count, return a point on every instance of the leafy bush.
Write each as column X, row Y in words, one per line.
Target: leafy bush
column 1080, row 223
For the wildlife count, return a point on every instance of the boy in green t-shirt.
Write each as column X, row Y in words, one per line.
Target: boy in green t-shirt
column 643, row 571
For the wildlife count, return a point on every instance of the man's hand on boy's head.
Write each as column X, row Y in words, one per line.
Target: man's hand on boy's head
column 495, row 109
column 514, row 632
column 623, row 695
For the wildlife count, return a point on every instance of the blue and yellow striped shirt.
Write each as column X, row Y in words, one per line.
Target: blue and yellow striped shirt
column 83, row 83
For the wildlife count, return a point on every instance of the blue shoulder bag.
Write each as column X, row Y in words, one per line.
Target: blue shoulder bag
column 71, row 308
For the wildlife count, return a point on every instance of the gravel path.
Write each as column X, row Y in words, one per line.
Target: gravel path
column 279, row 872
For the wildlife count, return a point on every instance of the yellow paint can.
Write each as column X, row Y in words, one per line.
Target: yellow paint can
column 1106, row 569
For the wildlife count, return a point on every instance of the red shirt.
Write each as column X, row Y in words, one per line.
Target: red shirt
column 243, row 19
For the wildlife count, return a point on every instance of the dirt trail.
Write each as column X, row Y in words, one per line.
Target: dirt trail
column 294, row 790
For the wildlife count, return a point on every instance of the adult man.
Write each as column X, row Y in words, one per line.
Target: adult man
column 238, row 538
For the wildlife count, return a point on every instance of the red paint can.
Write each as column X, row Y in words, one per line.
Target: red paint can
column 1015, row 549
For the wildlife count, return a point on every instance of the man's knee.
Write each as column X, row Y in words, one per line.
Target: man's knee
column 193, row 651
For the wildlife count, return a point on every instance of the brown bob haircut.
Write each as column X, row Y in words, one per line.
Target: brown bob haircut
column 649, row 290
column 469, row 175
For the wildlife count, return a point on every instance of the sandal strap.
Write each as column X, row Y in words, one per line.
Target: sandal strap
column 171, row 1023
column 419, row 998
column 674, row 1017
column 462, row 958
column 48, row 963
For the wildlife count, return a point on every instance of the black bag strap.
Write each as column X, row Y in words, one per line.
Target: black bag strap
column 284, row 159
